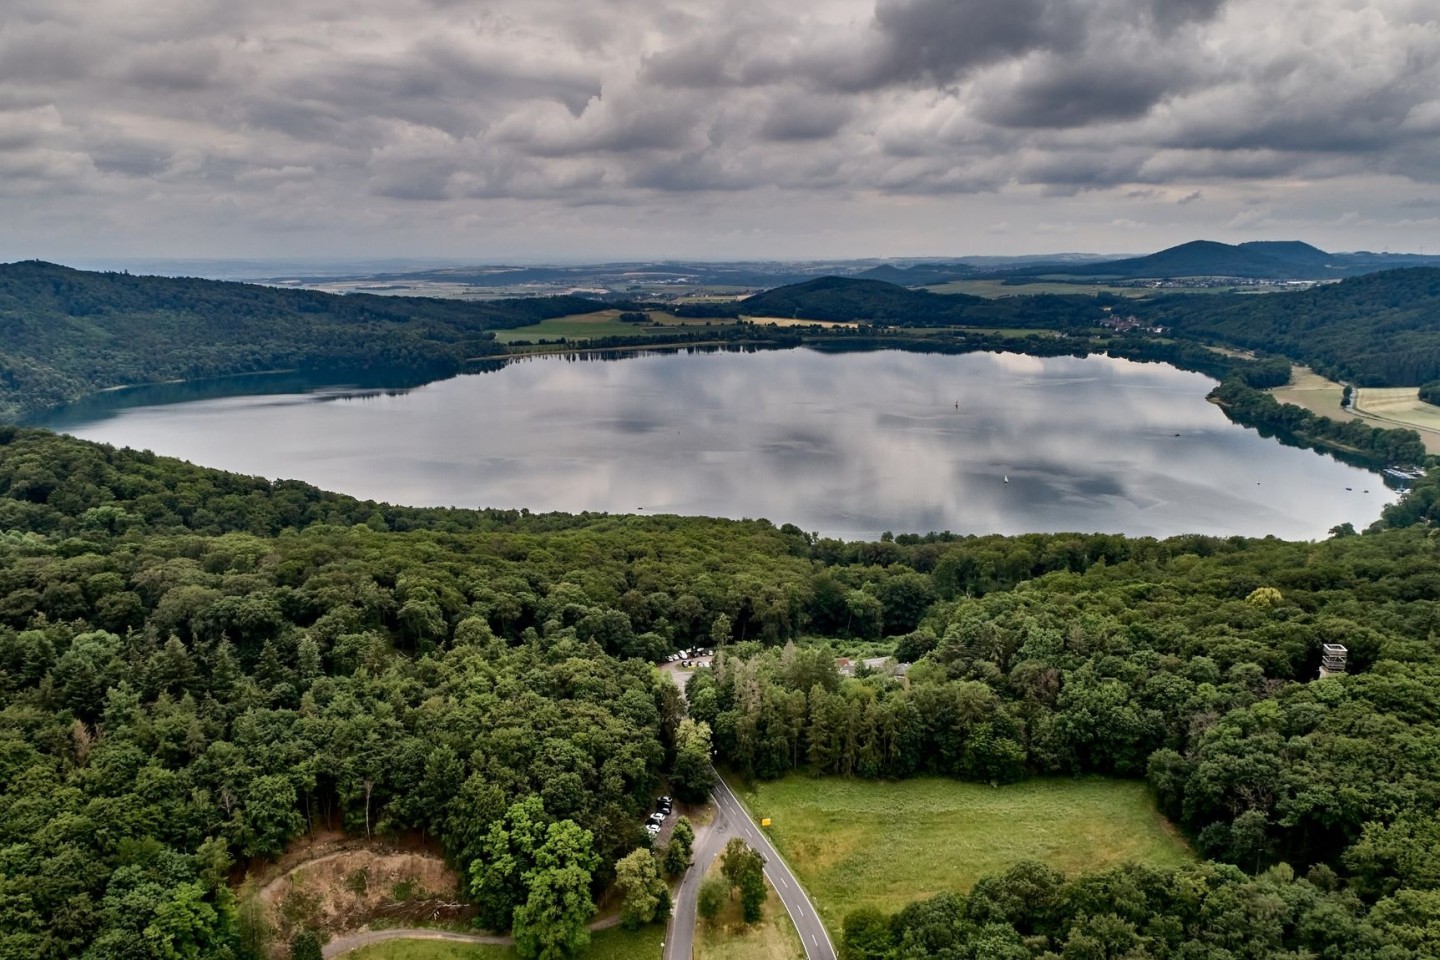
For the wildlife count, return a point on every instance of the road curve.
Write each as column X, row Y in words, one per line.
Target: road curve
column 733, row 820
column 802, row 912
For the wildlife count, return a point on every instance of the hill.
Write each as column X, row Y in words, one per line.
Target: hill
column 1253, row 260
column 65, row 333
column 1381, row 329
column 921, row 274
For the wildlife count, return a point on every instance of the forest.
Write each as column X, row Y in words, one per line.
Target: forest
column 1376, row 330
column 71, row 332
column 195, row 667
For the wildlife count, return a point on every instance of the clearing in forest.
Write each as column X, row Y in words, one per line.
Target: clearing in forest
column 861, row 843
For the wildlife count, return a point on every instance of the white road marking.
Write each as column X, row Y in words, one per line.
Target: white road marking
column 813, row 940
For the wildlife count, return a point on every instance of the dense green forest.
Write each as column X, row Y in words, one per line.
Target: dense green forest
column 1377, row 330
column 68, row 332
column 878, row 302
column 196, row 666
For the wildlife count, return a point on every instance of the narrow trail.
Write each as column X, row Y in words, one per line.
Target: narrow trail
column 354, row 941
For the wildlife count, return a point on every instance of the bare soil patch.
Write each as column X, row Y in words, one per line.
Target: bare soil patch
column 358, row 888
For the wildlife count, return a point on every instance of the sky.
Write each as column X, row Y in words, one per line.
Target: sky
column 549, row 130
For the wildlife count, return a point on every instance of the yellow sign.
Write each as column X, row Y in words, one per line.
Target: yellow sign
column 765, row 822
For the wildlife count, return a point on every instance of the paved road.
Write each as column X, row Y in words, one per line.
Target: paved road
column 797, row 903
column 731, row 820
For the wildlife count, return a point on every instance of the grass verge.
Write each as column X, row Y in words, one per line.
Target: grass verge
column 728, row 937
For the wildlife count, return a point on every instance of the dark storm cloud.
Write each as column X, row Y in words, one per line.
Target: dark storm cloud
column 1074, row 93
column 940, row 41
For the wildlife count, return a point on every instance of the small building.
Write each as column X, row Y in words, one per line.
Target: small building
column 1333, row 659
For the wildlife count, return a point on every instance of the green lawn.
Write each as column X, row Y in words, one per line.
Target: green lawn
column 860, row 843
column 613, row 944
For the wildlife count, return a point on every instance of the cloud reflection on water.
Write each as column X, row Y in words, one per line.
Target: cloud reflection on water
column 849, row 445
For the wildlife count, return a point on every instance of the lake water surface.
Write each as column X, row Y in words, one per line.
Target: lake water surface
column 848, row 445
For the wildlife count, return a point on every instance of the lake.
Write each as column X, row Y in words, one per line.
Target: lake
column 847, row 445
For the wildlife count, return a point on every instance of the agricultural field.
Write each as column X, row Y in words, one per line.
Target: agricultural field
column 727, row 937
column 793, row 322
column 994, row 289
column 601, row 323
column 1401, row 406
column 1315, row 393
column 857, row 843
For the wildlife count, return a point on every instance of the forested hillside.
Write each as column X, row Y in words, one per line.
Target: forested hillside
column 195, row 667
column 875, row 301
column 68, row 332
column 1378, row 330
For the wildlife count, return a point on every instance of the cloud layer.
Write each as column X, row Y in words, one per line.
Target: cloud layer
column 727, row 129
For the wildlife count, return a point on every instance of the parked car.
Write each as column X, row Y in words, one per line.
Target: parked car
column 652, row 828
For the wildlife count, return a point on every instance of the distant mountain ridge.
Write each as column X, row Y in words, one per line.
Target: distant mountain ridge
column 1252, row 260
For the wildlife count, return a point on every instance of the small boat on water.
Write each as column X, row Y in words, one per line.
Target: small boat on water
column 1007, row 478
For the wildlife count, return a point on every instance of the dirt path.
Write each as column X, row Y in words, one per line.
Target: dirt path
column 354, row 941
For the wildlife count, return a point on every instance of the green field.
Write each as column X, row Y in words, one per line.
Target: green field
column 613, row 944
column 857, row 843
column 601, row 323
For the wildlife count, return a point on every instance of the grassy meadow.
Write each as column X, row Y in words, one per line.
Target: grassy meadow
column 857, row 843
